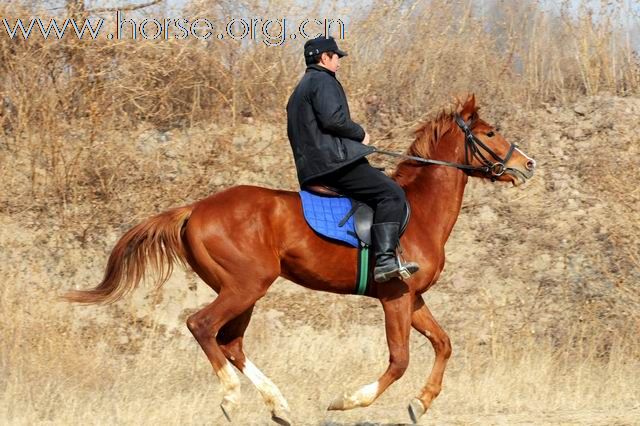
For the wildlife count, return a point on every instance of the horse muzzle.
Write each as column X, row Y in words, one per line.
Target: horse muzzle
column 521, row 174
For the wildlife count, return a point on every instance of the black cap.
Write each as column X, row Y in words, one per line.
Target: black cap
column 321, row 44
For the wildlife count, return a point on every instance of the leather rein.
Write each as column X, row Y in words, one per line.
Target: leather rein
column 472, row 151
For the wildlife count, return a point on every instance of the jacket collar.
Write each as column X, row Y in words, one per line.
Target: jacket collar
column 320, row 68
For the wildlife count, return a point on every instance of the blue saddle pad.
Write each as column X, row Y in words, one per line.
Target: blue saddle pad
column 323, row 214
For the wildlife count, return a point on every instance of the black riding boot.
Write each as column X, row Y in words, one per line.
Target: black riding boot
column 385, row 240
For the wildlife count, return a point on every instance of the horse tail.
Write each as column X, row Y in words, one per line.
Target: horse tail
column 155, row 243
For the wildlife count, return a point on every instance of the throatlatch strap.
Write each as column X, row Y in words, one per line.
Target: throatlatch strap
column 363, row 269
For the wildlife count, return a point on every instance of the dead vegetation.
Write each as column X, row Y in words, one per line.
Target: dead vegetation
column 539, row 293
column 64, row 101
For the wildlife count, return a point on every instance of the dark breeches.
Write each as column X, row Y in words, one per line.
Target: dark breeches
column 369, row 185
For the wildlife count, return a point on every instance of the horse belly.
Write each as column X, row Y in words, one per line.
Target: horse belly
column 321, row 265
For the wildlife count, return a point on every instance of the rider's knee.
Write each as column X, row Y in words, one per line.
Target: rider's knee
column 395, row 193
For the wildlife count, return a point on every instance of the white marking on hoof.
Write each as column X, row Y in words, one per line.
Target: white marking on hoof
column 363, row 397
column 269, row 391
column 230, row 385
column 416, row 410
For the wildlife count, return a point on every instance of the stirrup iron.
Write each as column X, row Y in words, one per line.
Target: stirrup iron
column 402, row 270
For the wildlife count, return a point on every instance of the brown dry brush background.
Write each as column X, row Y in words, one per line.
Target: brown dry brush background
column 540, row 289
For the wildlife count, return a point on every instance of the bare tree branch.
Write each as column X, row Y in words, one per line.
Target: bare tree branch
column 125, row 8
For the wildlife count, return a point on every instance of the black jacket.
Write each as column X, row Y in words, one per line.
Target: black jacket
column 322, row 136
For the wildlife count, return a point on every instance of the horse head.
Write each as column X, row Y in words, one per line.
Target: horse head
column 485, row 149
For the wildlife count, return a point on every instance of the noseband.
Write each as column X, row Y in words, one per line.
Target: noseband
column 472, row 149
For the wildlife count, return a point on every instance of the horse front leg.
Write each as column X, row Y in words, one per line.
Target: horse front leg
column 422, row 320
column 397, row 314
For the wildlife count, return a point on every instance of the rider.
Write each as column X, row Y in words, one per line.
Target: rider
column 329, row 149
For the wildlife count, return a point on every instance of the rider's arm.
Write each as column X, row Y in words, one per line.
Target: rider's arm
column 331, row 114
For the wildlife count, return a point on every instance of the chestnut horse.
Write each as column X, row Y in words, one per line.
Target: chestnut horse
column 241, row 239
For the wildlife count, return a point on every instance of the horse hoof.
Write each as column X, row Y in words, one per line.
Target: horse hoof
column 416, row 410
column 227, row 408
column 336, row 404
column 281, row 418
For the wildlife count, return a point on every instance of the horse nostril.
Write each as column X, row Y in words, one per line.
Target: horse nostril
column 531, row 164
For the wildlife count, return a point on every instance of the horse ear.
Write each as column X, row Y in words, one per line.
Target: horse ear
column 469, row 107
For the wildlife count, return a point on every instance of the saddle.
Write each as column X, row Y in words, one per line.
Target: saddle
column 336, row 216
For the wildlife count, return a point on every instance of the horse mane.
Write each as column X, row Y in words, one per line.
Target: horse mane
column 428, row 136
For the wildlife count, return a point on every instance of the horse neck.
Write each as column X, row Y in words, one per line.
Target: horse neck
column 436, row 192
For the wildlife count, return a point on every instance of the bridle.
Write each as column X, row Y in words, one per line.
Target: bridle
column 473, row 148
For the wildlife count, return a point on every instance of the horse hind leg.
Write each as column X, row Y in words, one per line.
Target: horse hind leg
column 204, row 325
column 238, row 291
column 230, row 339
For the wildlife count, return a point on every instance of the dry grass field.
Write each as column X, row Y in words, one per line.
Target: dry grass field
column 540, row 292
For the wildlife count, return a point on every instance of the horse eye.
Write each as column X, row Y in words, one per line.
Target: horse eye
column 490, row 134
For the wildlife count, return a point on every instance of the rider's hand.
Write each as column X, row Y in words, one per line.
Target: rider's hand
column 366, row 140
